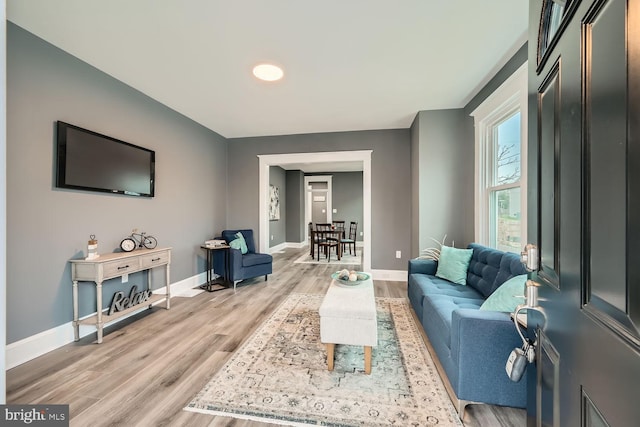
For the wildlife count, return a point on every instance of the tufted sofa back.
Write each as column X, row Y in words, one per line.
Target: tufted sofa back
column 490, row 268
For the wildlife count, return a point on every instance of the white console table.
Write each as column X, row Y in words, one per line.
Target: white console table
column 109, row 266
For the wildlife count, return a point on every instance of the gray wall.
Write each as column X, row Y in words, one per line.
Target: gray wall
column 443, row 148
column 390, row 183
column 295, row 207
column 347, row 198
column 48, row 226
column 278, row 229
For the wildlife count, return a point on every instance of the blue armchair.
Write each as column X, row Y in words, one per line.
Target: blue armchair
column 242, row 266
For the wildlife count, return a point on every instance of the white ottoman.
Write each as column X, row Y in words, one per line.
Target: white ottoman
column 348, row 316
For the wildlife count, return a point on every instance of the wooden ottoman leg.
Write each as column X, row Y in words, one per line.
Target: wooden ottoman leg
column 367, row 359
column 330, row 348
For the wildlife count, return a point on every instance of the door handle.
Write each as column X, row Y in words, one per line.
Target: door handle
column 528, row 349
column 529, row 257
column 531, row 294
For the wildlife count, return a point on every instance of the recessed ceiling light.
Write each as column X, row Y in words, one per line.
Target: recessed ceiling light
column 268, row 72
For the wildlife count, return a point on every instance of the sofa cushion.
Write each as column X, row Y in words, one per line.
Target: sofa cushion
column 250, row 259
column 432, row 285
column 508, row 295
column 453, row 264
column 438, row 311
column 510, row 266
column 483, row 268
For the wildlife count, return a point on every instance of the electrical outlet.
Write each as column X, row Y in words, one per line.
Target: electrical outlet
column 125, row 278
column 361, row 233
column 398, row 254
column 335, row 211
column 272, row 237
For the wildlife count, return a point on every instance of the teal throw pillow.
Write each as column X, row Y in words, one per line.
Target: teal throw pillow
column 508, row 295
column 235, row 244
column 243, row 244
column 453, row 264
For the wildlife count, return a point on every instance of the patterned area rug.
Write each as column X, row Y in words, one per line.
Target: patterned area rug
column 345, row 259
column 279, row 375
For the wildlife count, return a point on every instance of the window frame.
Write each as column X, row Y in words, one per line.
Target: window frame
column 509, row 98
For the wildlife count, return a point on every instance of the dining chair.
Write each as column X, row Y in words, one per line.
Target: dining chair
column 327, row 239
column 339, row 226
column 351, row 241
column 313, row 240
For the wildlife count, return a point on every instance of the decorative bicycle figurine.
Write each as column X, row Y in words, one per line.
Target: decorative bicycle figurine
column 140, row 240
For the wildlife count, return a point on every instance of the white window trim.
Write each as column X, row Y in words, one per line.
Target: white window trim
column 507, row 98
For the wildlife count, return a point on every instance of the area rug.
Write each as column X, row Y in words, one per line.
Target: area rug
column 345, row 259
column 279, row 375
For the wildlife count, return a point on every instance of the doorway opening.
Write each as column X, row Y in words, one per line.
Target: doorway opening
column 362, row 156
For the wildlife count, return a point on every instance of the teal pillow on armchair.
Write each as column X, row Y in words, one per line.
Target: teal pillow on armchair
column 235, row 244
column 243, row 243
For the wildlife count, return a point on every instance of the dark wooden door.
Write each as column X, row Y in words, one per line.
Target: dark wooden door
column 584, row 211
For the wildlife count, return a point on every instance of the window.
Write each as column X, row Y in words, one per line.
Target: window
column 500, row 182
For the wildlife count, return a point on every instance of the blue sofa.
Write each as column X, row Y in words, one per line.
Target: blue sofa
column 242, row 266
column 472, row 345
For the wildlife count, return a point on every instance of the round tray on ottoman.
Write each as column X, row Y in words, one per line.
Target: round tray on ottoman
column 361, row 278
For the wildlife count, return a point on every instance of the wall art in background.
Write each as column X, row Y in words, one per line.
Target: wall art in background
column 274, row 203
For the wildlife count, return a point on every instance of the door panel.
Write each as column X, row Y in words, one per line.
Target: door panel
column 605, row 143
column 549, row 152
column 548, row 384
column 319, row 207
column 633, row 160
column 584, row 211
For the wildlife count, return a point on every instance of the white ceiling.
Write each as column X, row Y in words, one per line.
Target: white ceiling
column 349, row 65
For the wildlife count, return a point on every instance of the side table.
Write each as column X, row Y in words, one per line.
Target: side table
column 222, row 282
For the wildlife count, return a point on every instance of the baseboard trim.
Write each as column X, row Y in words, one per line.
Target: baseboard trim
column 279, row 247
column 184, row 287
column 29, row 348
column 390, row 275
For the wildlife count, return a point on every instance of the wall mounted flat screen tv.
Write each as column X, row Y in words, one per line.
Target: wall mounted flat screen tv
column 90, row 161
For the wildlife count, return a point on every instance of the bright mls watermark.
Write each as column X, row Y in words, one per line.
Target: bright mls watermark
column 34, row 415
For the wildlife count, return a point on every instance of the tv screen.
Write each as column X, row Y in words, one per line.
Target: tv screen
column 90, row 161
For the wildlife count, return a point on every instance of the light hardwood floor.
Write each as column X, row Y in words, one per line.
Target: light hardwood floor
column 149, row 367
